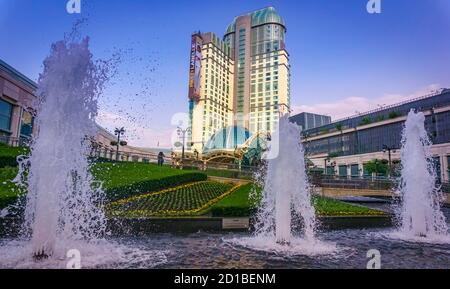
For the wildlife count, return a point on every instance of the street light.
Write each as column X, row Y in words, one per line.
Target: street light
column 389, row 150
column 182, row 133
column 119, row 132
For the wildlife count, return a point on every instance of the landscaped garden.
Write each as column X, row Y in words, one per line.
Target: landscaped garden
column 185, row 200
column 126, row 179
column 147, row 190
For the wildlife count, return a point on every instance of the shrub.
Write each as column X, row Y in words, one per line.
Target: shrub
column 366, row 120
column 394, row 114
column 8, row 173
column 151, row 185
column 233, row 211
column 8, row 155
column 8, row 190
column 8, row 161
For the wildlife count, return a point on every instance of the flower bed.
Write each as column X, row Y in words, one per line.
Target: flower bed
column 185, row 200
column 124, row 180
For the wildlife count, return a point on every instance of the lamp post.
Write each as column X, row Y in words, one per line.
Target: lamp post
column 182, row 133
column 389, row 149
column 119, row 132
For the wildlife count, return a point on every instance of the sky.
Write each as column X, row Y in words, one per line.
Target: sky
column 343, row 59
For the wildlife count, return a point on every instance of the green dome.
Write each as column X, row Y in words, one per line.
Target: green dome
column 260, row 17
column 227, row 138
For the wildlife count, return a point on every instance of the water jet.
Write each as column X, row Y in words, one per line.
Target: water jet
column 419, row 214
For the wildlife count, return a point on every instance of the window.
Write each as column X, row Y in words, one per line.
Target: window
column 5, row 115
column 26, row 127
column 343, row 171
column 355, row 170
column 448, row 166
column 330, row 170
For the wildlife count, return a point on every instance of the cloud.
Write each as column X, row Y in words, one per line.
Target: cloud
column 353, row 105
column 136, row 134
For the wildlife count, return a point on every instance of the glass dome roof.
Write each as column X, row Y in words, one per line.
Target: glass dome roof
column 260, row 17
column 227, row 138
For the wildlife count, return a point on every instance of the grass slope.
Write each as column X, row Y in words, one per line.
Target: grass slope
column 120, row 180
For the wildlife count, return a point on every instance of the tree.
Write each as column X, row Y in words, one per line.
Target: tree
column 377, row 167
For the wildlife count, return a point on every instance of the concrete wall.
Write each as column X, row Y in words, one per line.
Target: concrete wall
column 340, row 192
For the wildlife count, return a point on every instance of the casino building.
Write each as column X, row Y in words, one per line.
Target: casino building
column 16, row 106
column 239, row 84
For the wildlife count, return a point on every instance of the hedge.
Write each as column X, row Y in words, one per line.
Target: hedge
column 8, row 190
column 151, row 185
column 8, row 155
column 8, row 161
column 7, row 200
column 235, row 211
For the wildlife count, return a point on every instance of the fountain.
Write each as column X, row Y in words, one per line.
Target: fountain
column 62, row 203
column 419, row 215
column 286, row 195
column 63, row 210
column 284, row 190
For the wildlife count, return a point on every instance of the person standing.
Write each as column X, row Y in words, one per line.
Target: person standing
column 173, row 155
column 161, row 158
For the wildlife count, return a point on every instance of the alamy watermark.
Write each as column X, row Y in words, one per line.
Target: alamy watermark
column 73, row 259
column 374, row 259
column 373, row 7
column 73, row 6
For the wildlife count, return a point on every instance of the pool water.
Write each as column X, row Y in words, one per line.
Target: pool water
column 219, row 250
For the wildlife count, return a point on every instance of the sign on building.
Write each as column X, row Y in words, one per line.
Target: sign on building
column 195, row 67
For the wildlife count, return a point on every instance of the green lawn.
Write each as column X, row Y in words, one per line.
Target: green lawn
column 331, row 207
column 238, row 204
column 120, row 180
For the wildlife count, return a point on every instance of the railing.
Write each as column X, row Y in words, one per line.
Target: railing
column 385, row 107
column 362, row 183
column 445, row 187
column 15, row 141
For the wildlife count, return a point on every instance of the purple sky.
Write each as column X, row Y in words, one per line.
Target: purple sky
column 343, row 60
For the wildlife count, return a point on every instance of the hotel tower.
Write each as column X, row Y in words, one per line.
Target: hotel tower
column 240, row 81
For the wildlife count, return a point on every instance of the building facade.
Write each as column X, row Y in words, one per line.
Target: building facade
column 242, row 80
column 308, row 120
column 102, row 146
column 17, row 101
column 344, row 147
column 211, row 88
column 16, row 106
